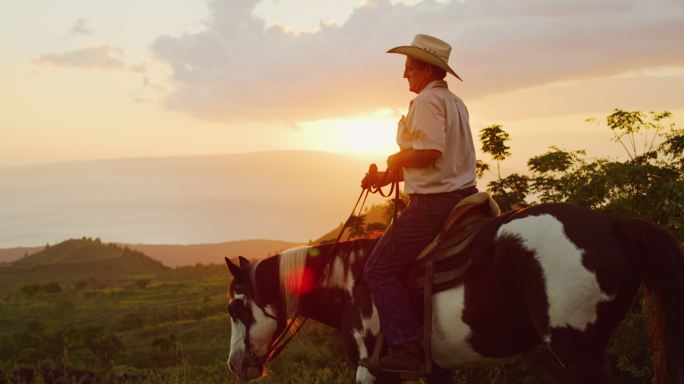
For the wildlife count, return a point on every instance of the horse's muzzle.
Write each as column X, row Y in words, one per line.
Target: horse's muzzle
column 243, row 369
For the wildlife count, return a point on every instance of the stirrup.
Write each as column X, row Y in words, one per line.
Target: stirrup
column 373, row 363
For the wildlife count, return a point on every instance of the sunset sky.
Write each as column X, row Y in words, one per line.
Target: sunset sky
column 83, row 79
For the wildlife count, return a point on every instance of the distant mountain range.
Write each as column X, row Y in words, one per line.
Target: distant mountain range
column 293, row 195
column 11, row 254
column 179, row 255
column 175, row 255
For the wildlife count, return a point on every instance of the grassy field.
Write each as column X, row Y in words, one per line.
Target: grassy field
column 186, row 310
column 173, row 328
column 169, row 327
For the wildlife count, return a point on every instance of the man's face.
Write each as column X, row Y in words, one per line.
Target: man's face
column 417, row 73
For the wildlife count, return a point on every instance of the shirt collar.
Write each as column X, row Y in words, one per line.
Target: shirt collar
column 436, row 84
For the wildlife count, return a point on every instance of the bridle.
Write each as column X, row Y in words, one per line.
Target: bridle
column 394, row 189
column 293, row 326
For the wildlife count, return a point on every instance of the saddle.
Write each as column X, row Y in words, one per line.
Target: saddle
column 440, row 267
column 469, row 215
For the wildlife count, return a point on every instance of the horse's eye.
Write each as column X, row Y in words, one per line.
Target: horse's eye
column 239, row 309
column 239, row 289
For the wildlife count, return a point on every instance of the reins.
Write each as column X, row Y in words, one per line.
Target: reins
column 394, row 188
column 279, row 343
column 397, row 200
column 373, row 169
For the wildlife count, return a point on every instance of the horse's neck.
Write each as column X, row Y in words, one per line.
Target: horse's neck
column 336, row 275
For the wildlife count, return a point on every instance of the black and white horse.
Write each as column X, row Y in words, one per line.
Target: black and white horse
column 555, row 274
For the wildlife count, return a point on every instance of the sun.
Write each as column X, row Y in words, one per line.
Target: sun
column 372, row 134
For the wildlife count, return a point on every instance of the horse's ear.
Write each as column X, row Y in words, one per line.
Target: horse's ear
column 243, row 262
column 234, row 269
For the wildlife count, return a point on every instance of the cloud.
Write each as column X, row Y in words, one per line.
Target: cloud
column 80, row 27
column 240, row 69
column 96, row 57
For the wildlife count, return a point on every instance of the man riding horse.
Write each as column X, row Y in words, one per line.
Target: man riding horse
column 557, row 275
column 436, row 161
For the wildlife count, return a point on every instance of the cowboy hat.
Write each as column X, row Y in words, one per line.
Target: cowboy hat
column 428, row 49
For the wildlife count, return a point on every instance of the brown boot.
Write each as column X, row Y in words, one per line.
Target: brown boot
column 405, row 359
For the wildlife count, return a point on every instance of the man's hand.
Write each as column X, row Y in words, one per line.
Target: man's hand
column 369, row 180
column 372, row 179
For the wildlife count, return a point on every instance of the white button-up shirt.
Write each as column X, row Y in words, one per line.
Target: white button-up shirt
column 438, row 119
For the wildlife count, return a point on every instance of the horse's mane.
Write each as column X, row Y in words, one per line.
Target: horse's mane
column 291, row 265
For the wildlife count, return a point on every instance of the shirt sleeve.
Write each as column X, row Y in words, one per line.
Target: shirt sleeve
column 429, row 124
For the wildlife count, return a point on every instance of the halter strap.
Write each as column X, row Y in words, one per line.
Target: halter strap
column 279, row 343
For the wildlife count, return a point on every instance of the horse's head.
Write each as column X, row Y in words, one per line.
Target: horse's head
column 254, row 322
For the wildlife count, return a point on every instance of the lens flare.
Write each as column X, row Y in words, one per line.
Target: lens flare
column 299, row 281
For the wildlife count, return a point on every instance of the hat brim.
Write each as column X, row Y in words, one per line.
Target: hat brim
column 420, row 54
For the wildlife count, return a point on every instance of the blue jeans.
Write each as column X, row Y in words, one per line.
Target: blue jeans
column 415, row 228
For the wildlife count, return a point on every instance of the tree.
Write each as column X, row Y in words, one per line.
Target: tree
column 510, row 192
column 356, row 225
column 649, row 184
column 370, row 227
column 494, row 140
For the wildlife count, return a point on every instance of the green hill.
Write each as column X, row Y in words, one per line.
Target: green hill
column 81, row 259
column 71, row 251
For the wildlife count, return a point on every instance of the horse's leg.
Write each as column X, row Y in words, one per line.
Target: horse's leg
column 580, row 357
column 439, row 375
column 583, row 370
column 582, row 352
column 363, row 376
column 388, row 379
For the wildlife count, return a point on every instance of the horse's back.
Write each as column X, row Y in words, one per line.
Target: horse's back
column 561, row 233
column 547, row 267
